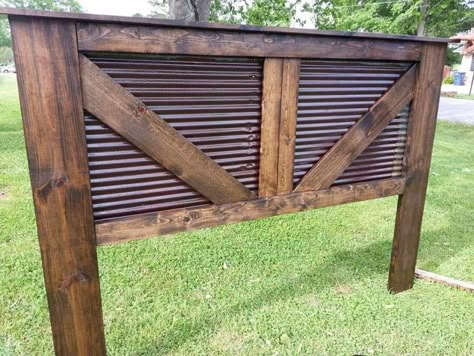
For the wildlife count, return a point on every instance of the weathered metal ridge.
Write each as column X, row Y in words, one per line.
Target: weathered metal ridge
column 209, row 25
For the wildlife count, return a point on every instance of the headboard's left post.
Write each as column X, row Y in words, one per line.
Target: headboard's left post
column 46, row 57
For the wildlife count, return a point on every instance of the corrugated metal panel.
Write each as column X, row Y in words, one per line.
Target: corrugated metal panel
column 215, row 103
column 333, row 95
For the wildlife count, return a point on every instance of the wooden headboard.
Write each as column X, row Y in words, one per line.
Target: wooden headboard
column 140, row 127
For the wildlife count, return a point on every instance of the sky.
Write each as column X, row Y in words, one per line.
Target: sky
column 116, row 7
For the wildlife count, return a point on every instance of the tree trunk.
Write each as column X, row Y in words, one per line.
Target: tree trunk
column 420, row 31
column 189, row 10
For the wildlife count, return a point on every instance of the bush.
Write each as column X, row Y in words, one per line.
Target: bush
column 448, row 80
column 452, row 58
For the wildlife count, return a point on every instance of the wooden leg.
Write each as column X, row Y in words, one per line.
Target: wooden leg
column 421, row 130
column 405, row 242
column 46, row 58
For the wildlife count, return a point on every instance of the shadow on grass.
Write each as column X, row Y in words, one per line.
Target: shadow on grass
column 339, row 268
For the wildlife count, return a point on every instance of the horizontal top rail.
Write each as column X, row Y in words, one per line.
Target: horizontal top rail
column 210, row 25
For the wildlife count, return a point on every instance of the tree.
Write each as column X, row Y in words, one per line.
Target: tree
column 53, row 5
column 452, row 57
column 5, row 40
column 260, row 12
column 250, row 12
column 423, row 17
column 6, row 55
column 188, row 10
column 424, row 6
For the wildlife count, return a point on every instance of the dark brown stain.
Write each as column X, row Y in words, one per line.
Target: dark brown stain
column 221, row 117
column 68, row 280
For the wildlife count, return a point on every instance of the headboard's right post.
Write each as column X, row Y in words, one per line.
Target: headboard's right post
column 420, row 137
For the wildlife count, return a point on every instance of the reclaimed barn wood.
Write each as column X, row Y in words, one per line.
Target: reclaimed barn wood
column 141, row 127
column 47, row 61
column 420, row 136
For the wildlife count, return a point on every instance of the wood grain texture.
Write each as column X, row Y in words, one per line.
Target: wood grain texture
column 451, row 282
column 270, row 126
column 172, row 221
column 46, row 58
column 420, row 136
column 212, row 25
column 287, row 137
column 128, row 116
column 189, row 41
column 360, row 135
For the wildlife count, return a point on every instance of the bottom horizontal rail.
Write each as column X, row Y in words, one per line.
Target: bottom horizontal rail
column 172, row 221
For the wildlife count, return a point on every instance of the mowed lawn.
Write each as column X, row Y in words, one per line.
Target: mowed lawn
column 310, row 283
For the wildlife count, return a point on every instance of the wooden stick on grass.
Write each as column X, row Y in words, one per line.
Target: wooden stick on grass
column 433, row 277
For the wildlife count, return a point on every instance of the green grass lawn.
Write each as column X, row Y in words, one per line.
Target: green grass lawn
column 309, row 283
column 464, row 96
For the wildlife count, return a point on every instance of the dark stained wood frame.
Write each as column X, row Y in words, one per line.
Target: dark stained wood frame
column 153, row 40
column 172, row 221
column 129, row 117
column 360, row 136
column 56, row 82
column 47, row 59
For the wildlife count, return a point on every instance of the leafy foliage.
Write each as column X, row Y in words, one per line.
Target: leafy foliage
column 5, row 40
column 160, row 8
column 251, row 12
column 440, row 17
column 452, row 58
column 448, row 80
column 53, row 5
column 443, row 17
column 258, row 12
column 264, row 12
column 6, row 55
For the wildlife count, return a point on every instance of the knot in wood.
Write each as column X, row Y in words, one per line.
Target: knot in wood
column 194, row 215
column 141, row 109
column 68, row 280
column 59, row 181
